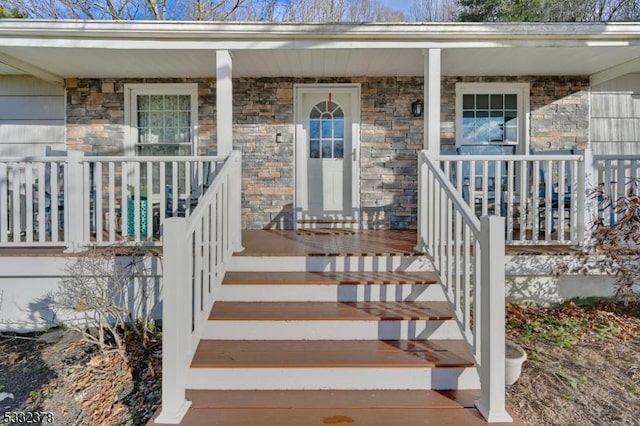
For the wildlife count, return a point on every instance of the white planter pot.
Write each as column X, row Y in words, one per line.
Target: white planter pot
column 515, row 356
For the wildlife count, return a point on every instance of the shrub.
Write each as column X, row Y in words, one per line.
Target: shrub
column 106, row 293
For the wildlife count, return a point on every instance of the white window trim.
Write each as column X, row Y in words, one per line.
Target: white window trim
column 522, row 90
column 133, row 90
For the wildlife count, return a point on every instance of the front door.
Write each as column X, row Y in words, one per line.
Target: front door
column 327, row 125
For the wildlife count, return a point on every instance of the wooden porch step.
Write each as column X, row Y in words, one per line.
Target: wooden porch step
column 331, row 278
column 331, row 311
column 289, row 354
column 308, row 407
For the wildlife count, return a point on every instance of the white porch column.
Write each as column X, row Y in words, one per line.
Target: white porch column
column 432, row 72
column 224, row 102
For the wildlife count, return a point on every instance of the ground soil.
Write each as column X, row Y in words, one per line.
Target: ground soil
column 583, row 369
column 76, row 383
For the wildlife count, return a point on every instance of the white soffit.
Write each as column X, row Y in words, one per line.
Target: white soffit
column 123, row 63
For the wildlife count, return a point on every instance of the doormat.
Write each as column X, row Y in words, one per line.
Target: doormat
column 326, row 231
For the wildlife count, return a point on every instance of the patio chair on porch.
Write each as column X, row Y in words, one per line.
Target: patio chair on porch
column 550, row 194
column 48, row 182
column 199, row 186
column 473, row 189
column 58, row 181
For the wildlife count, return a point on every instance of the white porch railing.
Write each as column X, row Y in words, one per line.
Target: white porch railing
column 76, row 200
column 614, row 173
column 469, row 255
column 195, row 254
column 30, row 190
column 541, row 196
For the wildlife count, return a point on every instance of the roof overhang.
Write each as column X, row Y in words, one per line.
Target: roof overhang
column 54, row 50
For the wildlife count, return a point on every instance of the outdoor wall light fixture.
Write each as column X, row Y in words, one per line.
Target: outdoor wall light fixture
column 417, row 108
column 278, row 137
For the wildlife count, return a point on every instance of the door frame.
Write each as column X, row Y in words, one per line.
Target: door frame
column 300, row 201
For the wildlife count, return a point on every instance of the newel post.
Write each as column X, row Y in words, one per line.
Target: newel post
column 422, row 203
column 586, row 210
column 236, row 202
column 176, row 321
column 491, row 319
column 74, row 187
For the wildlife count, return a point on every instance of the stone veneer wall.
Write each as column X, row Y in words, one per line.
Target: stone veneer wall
column 95, row 113
column 390, row 136
column 559, row 109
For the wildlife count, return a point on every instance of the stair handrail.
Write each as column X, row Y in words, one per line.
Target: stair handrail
column 196, row 252
column 469, row 255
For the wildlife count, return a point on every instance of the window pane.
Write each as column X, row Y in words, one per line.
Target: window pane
column 483, row 130
column 314, row 129
column 184, row 102
column 143, row 135
column 143, row 103
column 338, row 149
column 482, row 101
column 510, row 101
column 326, row 149
column 170, row 136
column 143, row 119
column 489, row 118
column 314, row 148
column 467, row 102
column 164, row 120
column 495, row 129
column 338, row 128
column 171, row 103
column 183, row 135
column 155, row 135
column 327, row 126
column 184, row 119
column 326, row 130
column 157, row 102
column 315, row 113
column 171, row 119
column 496, row 101
column 468, row 129
column 156, row 119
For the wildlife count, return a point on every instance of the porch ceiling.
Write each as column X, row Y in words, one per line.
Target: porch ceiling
column 114, row 63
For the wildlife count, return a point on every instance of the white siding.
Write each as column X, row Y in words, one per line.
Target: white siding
column 615, row 116
column 32, row 116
